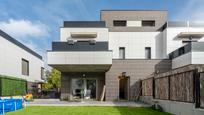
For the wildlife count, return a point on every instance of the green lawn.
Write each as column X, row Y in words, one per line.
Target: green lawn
column 86, row 111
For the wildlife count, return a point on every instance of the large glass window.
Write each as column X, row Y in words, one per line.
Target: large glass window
column 147, row 52
column 121, row 52
column 25, row 67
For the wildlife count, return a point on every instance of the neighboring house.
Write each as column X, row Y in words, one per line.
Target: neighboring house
column 21, row 69
column 118, row 51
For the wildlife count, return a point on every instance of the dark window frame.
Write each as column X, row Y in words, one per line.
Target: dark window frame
column 148, row 23
column 123, row 55
column 42, row 73
column 28, row 68
column 149, row 55
column 119, row 23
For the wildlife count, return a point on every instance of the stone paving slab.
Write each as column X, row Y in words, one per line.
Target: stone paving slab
column 84, row 103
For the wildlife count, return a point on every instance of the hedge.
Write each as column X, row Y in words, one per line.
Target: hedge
column 10, row 86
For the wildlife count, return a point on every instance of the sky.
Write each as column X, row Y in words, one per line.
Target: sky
column 36, row 23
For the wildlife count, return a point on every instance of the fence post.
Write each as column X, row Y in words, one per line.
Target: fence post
column 197, row 89
column 169, row 87
column 153, row 88
column 3, row 108
column 15, row 105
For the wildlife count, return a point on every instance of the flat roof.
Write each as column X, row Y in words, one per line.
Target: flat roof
column 131, row 10
column 85, row 24
column 19, row 44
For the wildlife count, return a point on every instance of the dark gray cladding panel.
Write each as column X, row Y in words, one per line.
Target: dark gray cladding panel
column 79, row 46
column 190, row 47
column 17, row 43
column 85, row 24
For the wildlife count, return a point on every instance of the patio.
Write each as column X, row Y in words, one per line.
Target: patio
column 57, row 102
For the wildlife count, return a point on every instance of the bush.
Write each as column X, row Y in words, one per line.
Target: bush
column 10, row 86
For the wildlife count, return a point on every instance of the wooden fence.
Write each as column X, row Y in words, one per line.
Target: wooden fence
column 162, row 88
column 202, row 90
column 147, row 87
column 184, row 87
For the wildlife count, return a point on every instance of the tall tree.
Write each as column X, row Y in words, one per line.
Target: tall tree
column 53, row 80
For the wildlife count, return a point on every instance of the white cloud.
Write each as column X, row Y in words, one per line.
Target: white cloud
column 37, row 49
column 24, row 28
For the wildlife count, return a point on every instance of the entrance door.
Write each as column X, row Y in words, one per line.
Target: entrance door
column 84, row 88
column 124, row 88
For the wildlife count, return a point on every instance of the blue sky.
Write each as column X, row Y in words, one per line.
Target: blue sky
column 36, row 22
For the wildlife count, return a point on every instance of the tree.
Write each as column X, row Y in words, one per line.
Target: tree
column 53, row 80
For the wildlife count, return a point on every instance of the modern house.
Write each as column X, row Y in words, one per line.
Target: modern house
column 21, row 69
column 119, row 50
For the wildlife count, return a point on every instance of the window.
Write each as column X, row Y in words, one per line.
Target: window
column 148, row 23
column 147, row 52
column 121, row 52
column 181, row 50
column 42, row 73
column 119, row 23
column 25, row 67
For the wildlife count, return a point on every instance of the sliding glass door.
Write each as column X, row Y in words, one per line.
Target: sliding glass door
column 83, row 88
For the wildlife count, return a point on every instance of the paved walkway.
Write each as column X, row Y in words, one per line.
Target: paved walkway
column 47, row 102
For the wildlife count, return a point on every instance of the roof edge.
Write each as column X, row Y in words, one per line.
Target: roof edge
column 19, row 44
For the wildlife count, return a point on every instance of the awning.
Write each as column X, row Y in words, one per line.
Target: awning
column 193, row 35
column 83, row 34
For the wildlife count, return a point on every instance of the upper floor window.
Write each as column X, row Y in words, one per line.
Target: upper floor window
column 25, row 67
column 119, row 23
column 42, row 73
column 147, row 52
column 121, row 52
column 148, row 23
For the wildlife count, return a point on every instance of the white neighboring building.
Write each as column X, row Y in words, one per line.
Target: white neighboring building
column 18, row 61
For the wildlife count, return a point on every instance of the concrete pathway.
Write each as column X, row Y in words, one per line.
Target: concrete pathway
column 56, row 102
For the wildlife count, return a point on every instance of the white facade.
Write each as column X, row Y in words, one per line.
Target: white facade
column 187, row 59
column 80, row 58
column 161, row 43
column 172, row 42
column 135, row 43
column 11, row 57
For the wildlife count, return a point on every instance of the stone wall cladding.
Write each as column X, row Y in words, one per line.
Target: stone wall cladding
column 109, row 16
column 136, row 69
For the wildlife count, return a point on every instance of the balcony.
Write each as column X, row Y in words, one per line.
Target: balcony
column 80, row 57
column 192, row 53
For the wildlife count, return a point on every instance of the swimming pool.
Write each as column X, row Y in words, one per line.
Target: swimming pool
column 8, row 105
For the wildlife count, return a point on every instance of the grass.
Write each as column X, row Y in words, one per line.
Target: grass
column 86, row 111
